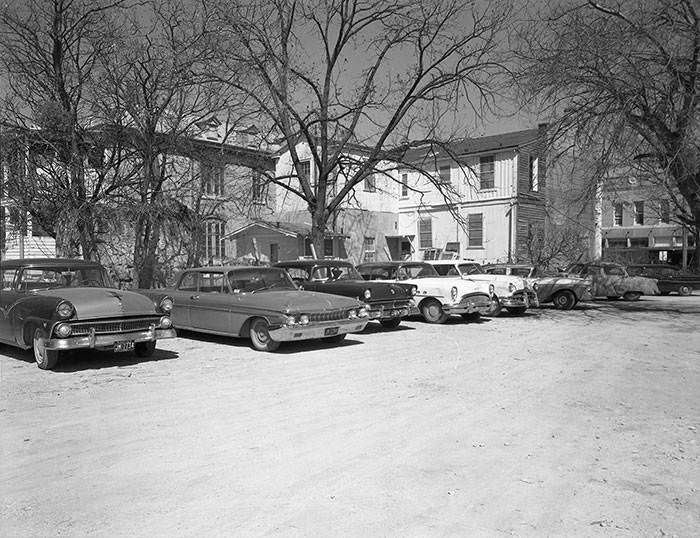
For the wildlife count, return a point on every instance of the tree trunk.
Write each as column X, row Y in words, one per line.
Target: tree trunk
column 318, row 229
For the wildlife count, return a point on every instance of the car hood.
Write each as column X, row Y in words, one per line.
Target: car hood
column 298, row 301
column 440, row 285
column 517, row 281
column 356, row 288
column 91, row 303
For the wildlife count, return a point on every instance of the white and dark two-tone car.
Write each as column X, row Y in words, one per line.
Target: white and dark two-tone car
column 436, row 298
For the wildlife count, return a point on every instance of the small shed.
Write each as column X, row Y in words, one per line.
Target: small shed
column 270, row 242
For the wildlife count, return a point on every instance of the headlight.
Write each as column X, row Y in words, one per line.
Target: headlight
column 414, row 289
column 65, row 310
column 352, row 314
column 362, row 313
column 511, row 287
column 492, row 289
column 290, row 320
column 166, row 304
column 453, row 294
column 368, row 294
column 63, row 330
column 304, row 319
column 535, row 286
column 166, row 322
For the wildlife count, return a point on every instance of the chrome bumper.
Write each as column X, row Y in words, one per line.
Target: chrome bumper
column 92, row 341
column 526, row 298
column 388, row 313
column 318, row 330
column 470, row 304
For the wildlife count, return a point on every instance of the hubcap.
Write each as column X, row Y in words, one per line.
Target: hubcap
column 39, row 349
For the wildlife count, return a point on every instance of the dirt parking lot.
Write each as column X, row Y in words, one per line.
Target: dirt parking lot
column 581, row 423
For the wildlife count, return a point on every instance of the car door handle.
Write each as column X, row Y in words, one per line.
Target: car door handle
column 194, row 297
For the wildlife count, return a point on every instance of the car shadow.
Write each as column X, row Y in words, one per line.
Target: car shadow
column 284, row 349
column 89, row 359
column 376, row 327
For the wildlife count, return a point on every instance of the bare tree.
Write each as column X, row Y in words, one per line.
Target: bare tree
column 623, row 78
column 360, row 82
column 153, row 101
column 49, row 52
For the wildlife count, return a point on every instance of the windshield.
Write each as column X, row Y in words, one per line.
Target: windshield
column 44, row 278
column 335, row 272
column 471, row 269
column 259, row 279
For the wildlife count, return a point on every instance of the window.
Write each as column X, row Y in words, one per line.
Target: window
column 212, row 179
column 534, row 181
column 475, row 229
column 639, row 213
column 369, row 249
column 259, row 189
column 305, row 170
column 445, row 174
column 425, row 232
column 2, row 226
column 617, row 214
column 370, row 183
column 214, row 240
column 328, row 246
column 404, row 185
column 211, row 283
column 486, row 172
column 188, row 282
column 274, row 252
column 664, row 212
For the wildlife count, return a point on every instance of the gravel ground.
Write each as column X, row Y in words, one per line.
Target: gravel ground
column 581, row 423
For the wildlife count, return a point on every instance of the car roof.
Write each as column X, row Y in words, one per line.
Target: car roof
column 47, row 262
column 224, row 268
column 452, row 262
column 307, row 263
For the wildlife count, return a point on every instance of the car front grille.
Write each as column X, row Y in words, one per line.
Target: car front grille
column 388, row 305
column 114, row 326
column 328, row 316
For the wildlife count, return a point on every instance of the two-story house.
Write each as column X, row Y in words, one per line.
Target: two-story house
column 478, row 198
column 495, row 189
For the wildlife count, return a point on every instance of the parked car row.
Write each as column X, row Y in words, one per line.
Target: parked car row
column 56, row 305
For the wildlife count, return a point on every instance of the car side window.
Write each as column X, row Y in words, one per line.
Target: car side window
column 320, row 274
column 298, row 274
column 497, row 270
column 211, row 283
column 613, row 270
column 188, row 282
column 520, row 271
column 8, row 277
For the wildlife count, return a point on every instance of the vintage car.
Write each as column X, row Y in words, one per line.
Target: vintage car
column 610, row 280
column 669, row 278
column 510, row 292
column 54, row 305
column 386, row 302
column 565, row 292
column 437, row 298
column 263, row 304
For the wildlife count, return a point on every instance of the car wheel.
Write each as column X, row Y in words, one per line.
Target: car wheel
column 631, row 296
column 46, row 359
column 145, row 349
column 495, row 308
column 613, row 297
column 564, row 300
column 432, row 311
column 474, row 316
column 260, row 336
column 685, row 290
column 517, row 310
column 337, row 338
column 390, row 323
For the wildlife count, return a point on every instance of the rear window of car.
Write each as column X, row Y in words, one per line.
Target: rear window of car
column 7, row 276
column 613, row 270
column 520, row 271
column 496, row 270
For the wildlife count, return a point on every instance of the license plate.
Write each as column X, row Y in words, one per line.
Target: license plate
column 123, row 346
column 330, row 331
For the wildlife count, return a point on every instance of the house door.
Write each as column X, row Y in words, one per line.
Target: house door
column 274, row 252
